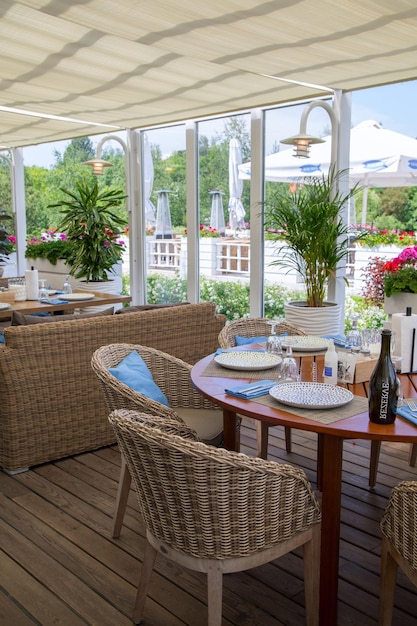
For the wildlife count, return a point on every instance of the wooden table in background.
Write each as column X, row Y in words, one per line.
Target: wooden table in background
column 331, row 437
column 28, row 307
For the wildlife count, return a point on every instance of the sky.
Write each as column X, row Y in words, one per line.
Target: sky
column 393, row 106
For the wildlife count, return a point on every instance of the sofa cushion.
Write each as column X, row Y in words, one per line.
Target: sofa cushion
column 148, row 307
column 134, row 373
column 19, row 319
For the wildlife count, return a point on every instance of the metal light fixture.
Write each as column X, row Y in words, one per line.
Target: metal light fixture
column 98, row 164
column 303, row 141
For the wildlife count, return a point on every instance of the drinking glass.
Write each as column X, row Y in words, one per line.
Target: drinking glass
column 289, row 372
column 43, row 292
column 273, row 343
column 67, row 285
column 354, row 336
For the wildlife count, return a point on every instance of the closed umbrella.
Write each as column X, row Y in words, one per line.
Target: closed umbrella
column 217, row 212
column 163, row 228
column 378, row 158
column 149, row 174
column 236, row 208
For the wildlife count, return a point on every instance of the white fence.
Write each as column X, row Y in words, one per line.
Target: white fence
column 222, row 258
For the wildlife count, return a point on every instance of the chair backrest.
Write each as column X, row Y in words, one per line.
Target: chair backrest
column 117, row 395
column 253, row 327
column 207, row 501
column 400, row 521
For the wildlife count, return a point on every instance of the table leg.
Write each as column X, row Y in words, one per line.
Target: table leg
column 331, row 482
column 231, row 430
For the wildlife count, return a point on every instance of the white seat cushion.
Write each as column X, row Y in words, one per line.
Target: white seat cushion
column 208, row 423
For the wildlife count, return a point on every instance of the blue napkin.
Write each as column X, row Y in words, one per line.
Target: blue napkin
column 253, row 390
column 53, row 301
column 407, row 414
column 338, row 340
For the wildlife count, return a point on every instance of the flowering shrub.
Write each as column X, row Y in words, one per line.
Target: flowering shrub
column 371, row 236
column 373, row 277
column 400, row 274
column 206, row 231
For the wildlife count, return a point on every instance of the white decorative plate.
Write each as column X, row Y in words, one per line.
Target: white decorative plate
column 306, row 343
column 51, row 292
column 247, row 360
column 311, row 395
column 4, row 306
column 76, row 296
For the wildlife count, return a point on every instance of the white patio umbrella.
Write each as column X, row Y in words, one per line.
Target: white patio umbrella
column 150, row 210
column 217, row 211
column 378, row 158
column 236, row 208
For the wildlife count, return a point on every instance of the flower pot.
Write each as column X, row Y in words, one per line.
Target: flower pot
column 109, row 286
column 399, row 302
column 313, row 320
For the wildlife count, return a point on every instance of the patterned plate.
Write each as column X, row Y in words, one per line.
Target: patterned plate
column 246, row 360
column 4, row 306
column 311, row 395
column 306, row 343
column 76, row 296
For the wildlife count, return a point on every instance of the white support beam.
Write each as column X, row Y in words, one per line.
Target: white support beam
column 257, row 198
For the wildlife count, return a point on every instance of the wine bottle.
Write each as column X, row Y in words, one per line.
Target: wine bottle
column 383, row 385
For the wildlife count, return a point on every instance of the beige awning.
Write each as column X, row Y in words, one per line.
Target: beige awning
column 99, row 65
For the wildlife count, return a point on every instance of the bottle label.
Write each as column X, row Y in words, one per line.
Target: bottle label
column 383, row 407
column 328, row 371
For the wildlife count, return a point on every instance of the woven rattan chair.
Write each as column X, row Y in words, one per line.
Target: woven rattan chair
column 215, row 511
column 173, row 376
column 399, row 544
column 258, row 327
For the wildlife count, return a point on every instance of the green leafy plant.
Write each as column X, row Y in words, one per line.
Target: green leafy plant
column 6, row 241
column 93, row 227
column 400, row 274
column 50, row 249
column 308, row 221
column 371, row 237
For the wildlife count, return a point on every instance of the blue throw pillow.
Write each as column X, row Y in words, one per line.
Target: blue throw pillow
column 134, row 373
column 2, row 339
column 243, row 341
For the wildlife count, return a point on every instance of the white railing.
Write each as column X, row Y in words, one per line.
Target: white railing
column 164, row 254
column 224, row 257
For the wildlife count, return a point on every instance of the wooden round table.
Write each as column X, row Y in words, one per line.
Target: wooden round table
column 331, row 437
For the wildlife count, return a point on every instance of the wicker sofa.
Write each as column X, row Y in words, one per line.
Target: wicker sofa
column 51, row 404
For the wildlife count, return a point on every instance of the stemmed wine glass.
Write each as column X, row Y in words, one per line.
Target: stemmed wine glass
column 273, row 343
column 43, row 292
column 288, row 371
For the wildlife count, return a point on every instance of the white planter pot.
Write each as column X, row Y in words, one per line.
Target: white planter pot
column 399, row 302
column 323, row 320
column 110, row 286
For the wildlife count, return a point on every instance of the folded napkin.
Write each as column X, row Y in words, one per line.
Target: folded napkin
column 253, row 390
column 407, row 414
column 53, row 301
column 338, row 340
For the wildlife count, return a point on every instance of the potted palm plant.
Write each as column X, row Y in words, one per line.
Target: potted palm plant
column 93, row 223
column 313, row 240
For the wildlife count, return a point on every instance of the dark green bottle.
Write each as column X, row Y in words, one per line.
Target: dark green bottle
column 383, row 385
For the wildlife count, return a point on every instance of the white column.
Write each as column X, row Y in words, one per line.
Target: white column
column 193, row 213
column 19, row 207
column 257, row 198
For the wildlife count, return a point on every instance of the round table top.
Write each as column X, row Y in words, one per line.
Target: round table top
column 355, row 427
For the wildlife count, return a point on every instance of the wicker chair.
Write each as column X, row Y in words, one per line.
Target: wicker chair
column 173, row 376
column 215, row 511
column 399, row 544
column 258, row 327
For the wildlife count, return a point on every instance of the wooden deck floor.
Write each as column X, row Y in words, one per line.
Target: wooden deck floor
column 59, row 566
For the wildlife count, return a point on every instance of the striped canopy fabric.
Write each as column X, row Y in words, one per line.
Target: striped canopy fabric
column 101, row 65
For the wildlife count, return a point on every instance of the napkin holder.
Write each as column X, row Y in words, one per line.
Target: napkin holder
column 7, row 296
column 405, row 329
column 354, row 368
